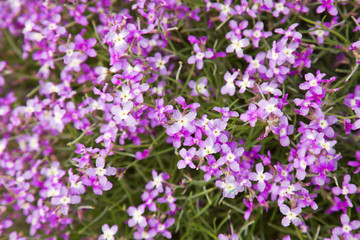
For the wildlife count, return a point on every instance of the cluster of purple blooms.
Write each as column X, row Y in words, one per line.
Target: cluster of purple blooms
column 124, row 97
column 148, row 226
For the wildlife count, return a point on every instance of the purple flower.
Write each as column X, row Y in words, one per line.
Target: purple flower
column 158, row 62
column 231, row 187
column 319, row 32
column 64, row 199
column 283, row 131
column 85, row 45
column 347, row 188
column 257, row 34
column 187, row 156
column 233, row 236
column 108, row 233
column 76, row 185
column 237, row 45
column 199, row 87
column 182, row 122
column 137, row 217
column 169, row 199
column 260, row 177
column 100, row 171
column 245, row 82
column 313, row 84
column 231, row 157
column 291, row 215
column 229, row 88
column 225, row 9
column 161, row 227
column 327, row 4
column 199, row 56
column 212, row 169
column 148, row 198
column 251, row 115
column 345, row 230
column 157, row 181
column 322, row 168
column 280, row 8
column 236, row 28
column 356, row 163
column 290, row 32
column 77, row 13
column 269, row 107
column 271, row 88
column 257, row 64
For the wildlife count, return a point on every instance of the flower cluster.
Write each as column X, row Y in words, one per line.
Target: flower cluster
column 257, row 99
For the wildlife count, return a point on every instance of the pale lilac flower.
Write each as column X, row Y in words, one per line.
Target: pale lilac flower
column 283, row 131
column 199, row 87
column 182, row 122
column 187, row 156
column 260, row 177
column 245, row 82
column 233, row 236
column 313, row 84
column 161, row 227
column 137, row 216
column 100, row 171
column 291, row 215
column 237, row 45
column 64, row 199
column 199, row 56
column 257, row 34
column 280, row 7
column 345, row 230
column 271, row 88
column 269, row 107
column 347, row 188
column 225, row 9
column 255, row 64
column 157, row 181
column 229, row 88
column 108, row 233
column 231, row 187
column 290, row 32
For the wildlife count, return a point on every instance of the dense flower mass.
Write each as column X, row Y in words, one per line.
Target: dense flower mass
column 179, row 119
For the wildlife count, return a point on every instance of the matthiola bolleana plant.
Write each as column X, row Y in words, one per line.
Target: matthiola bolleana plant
column 179, row 119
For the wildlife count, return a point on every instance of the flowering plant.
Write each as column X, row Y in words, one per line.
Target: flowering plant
column 179, row 119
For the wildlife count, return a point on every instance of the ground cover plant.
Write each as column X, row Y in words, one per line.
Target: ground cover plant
column 179, row 119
